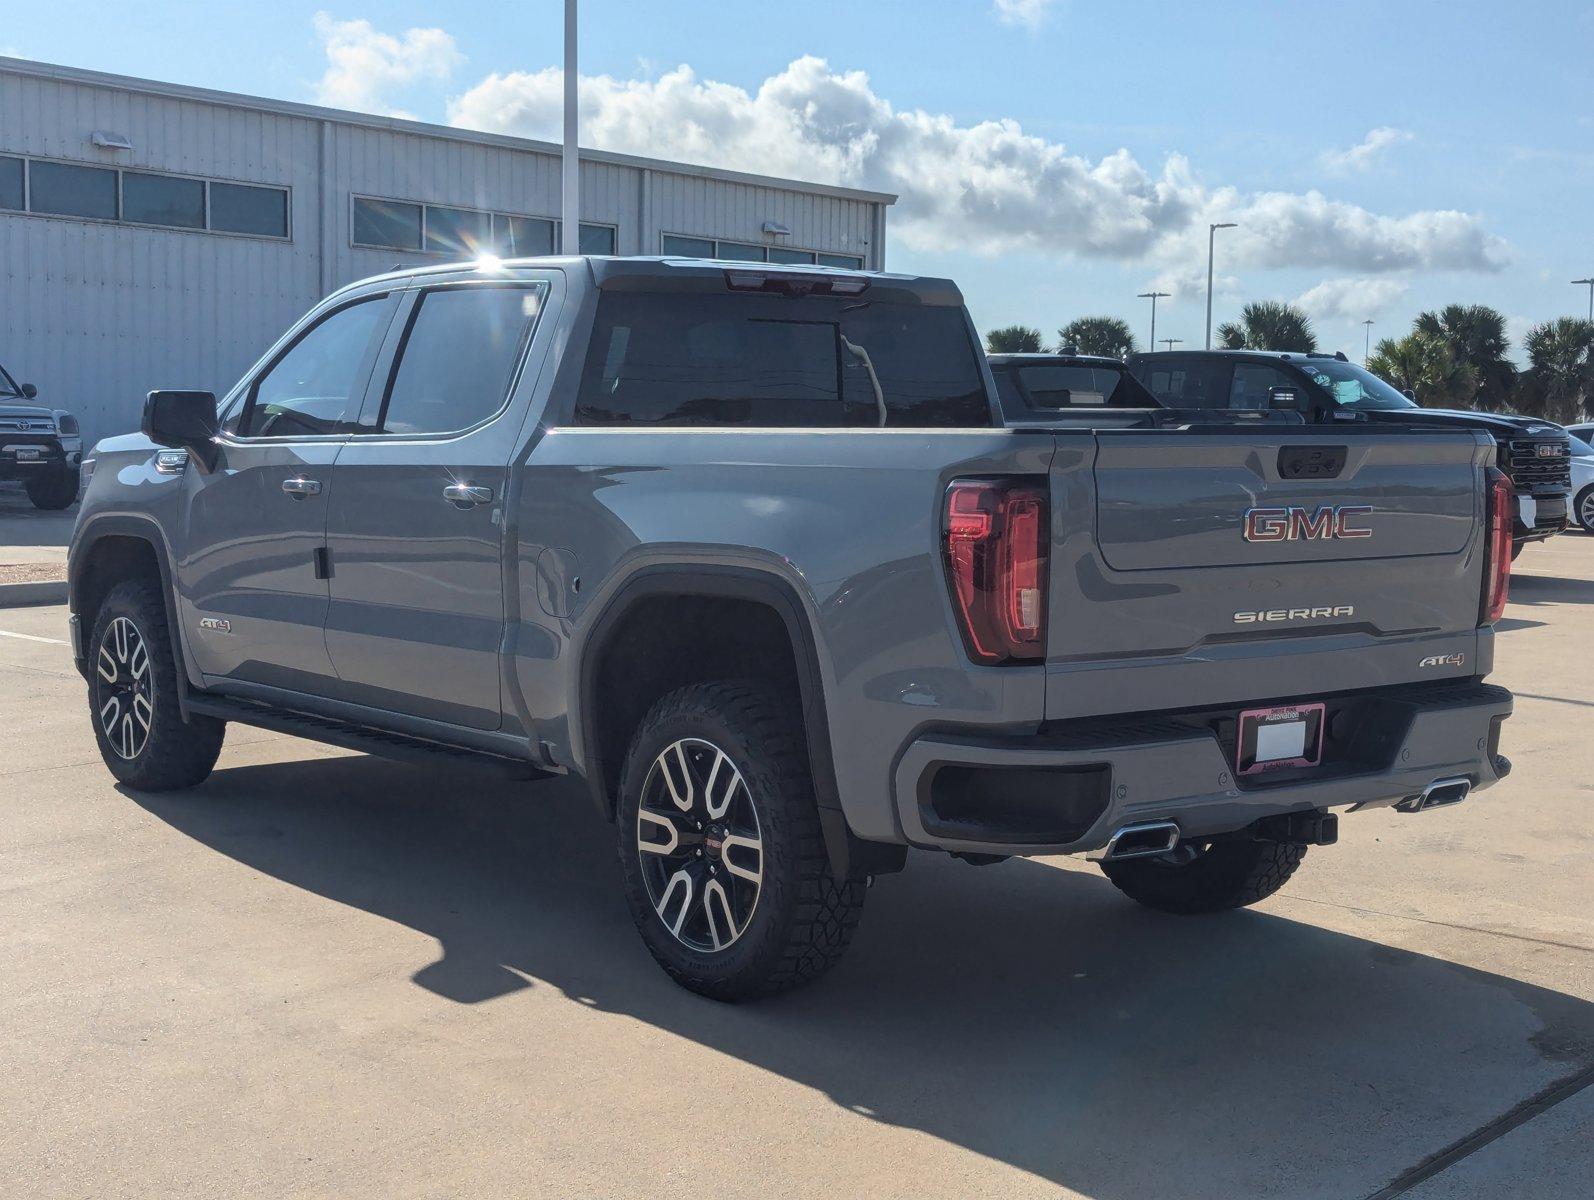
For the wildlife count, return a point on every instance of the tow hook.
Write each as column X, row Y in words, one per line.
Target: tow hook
column 1298, row 829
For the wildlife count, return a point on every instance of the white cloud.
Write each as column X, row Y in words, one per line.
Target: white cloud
column 1362, row 156
column 1028, row 13
column 987, row 187
column 1351, row 298
column 364, row 66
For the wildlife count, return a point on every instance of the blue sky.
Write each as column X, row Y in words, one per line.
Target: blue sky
column 1056, row 157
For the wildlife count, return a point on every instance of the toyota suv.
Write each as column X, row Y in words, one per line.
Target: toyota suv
column 40, row 447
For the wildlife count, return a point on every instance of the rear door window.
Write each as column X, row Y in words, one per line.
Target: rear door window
column 1254, row 381
column 1189, row 383
column 777, row 362
column 459, row 357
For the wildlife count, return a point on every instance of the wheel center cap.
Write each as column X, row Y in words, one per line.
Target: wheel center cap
column 714, row 841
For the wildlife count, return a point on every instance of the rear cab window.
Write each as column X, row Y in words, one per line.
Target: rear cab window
column 760, row 359
column 1038, row 388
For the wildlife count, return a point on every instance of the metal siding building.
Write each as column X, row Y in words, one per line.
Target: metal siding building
column 98, row 311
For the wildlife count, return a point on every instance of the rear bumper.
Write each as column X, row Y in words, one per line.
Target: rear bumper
column 1067, row 789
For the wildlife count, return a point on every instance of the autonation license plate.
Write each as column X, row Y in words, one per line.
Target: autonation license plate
column 1288, row 736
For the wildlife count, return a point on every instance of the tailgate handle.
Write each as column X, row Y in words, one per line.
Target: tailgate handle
column 1311, row 462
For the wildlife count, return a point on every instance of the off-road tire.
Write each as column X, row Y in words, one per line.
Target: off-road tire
column 174, row 753
column 54, row 490
column 804, row 915
column 1223, row 875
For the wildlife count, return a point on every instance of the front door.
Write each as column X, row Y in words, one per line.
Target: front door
column 415, row 527
column 250, row 576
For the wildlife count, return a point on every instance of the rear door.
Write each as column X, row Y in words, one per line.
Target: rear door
column 1209, row 566
column 415, row 532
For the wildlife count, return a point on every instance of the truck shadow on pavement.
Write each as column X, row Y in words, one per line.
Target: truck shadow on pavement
column 1550, row 589
column 1026, row 1013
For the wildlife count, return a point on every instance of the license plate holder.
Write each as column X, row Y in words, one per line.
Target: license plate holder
column 28, row 454
column 1288, row 735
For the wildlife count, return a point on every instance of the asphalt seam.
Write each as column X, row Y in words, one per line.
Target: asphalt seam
column 1462, row 1148
column 1378, row 912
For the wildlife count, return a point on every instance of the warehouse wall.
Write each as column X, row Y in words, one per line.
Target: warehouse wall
column 97, row 313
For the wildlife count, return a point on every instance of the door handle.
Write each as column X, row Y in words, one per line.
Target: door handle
column 300, row 488
column 464, row 495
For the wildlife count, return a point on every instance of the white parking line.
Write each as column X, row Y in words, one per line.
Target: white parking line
column 29, row 637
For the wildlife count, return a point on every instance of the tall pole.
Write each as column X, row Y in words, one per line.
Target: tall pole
column 1153, row 297
column 1212, row 232
column 1590, row 283
column 1367, row 342
column 569, row 158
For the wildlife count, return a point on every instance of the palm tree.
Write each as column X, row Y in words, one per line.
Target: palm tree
column 1559, row 381
column 1269, row 325
column 1421, row 363
column 1476, row 337
column 1107, row 336
column 1013, row 339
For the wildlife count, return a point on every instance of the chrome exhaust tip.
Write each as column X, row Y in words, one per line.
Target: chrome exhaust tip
column 1138, row 841
column 1437, row 794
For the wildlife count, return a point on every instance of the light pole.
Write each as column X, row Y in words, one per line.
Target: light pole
column 1153, row 297
column 1212, row 232
column 1171, row 342
column 569, row 156
column 1367, row 342
column 1590, row 283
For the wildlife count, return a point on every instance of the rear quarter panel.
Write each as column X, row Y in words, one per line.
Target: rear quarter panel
column 850, row 519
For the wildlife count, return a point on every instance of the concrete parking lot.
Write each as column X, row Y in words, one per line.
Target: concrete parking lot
column 322, row 974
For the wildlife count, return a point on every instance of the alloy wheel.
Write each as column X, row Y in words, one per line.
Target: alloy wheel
column 1585, row 510
column 125, row 689
column 700, row 845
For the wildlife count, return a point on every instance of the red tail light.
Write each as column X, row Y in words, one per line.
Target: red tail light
column 1497, row 545
column 995, row 547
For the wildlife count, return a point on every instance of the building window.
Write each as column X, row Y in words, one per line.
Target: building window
column 239, row 208
column 596, row 239
column 163, row 200
column 701, row 247
column 63, row 190
column 465, row 232
column 459, row 232
column 60, row 189
column 11, row 190
column 523, row 237
column 387, row 224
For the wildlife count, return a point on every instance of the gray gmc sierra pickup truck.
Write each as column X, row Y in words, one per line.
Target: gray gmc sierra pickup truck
column 750, row 550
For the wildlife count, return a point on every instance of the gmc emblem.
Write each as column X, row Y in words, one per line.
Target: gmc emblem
column 1296, row 524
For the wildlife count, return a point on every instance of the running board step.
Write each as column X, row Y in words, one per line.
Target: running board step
column 379, row 742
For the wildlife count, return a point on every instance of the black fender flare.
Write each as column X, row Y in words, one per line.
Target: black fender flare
column 147, row 530
column 849, row 855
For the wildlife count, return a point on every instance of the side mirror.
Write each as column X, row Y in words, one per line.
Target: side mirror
column 1409, row 394
column 1286, row 399
column 29, row 392
column 184, row 421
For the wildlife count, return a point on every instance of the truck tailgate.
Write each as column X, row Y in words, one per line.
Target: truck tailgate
column 1217, row 566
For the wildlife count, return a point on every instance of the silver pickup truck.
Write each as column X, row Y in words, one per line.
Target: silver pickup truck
column 750, row 550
